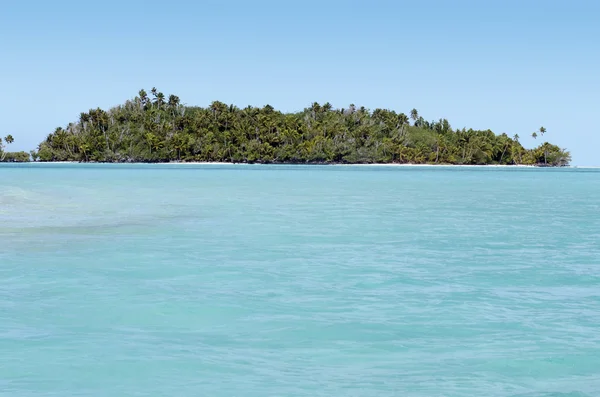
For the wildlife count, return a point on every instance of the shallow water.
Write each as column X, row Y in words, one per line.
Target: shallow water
column 182, row 280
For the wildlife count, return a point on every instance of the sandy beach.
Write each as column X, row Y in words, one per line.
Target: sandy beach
column 308, row 164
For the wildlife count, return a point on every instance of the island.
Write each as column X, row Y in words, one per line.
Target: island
column 156, row 128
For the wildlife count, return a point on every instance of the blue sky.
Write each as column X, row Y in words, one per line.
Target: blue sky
column 510, row 66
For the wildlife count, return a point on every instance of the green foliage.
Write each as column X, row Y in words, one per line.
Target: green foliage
column 9, row 156
column 157, row 128
column 16, row 157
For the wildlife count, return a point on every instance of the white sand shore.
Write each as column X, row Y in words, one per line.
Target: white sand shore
column 331, row 165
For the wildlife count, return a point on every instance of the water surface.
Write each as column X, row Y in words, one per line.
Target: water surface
column 184, row 280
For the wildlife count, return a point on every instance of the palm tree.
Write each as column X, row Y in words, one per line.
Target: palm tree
column 534, row 135
column 503, row 142
column 84, row 148
column 402, row 121
column 173, row 100
column 143, row 96
column 542, row 131
column 152, row 140
column 8, row 139
column 160, row 99
column 315, row 109
column 515, row 152
column 178, row 143
column 414, row 114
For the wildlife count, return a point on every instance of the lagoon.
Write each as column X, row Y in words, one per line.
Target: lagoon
column 264, row 280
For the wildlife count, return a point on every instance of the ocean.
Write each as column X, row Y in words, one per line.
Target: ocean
column 265, row 280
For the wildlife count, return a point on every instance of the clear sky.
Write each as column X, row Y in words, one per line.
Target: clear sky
column 511, row 66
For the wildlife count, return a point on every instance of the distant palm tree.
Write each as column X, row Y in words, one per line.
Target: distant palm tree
column 414, row 114
column 534, row 135
column 173, row 100
column 143, row 96
column 8, row 139
column 160, row 99
column 402, row 121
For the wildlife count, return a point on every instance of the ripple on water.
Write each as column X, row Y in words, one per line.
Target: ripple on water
column 286, row 281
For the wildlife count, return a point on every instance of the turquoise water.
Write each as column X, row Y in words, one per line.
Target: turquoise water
column 181, row 280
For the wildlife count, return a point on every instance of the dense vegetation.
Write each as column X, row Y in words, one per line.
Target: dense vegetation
column 156, row 128
column 5, row 156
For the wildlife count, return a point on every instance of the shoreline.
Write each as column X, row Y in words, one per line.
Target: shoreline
column 214, row 163
column 309, row 164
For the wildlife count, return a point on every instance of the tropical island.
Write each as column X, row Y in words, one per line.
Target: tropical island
column 156, row 128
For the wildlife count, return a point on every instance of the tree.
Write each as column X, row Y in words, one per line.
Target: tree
column 163, row 129
column 402, row 123
column 542, row 131
column 534, row 135
column 173, row 101
column 160, row 99
column 7, row 141
column 414, row 114
column 503, row 143
column 143, row 97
